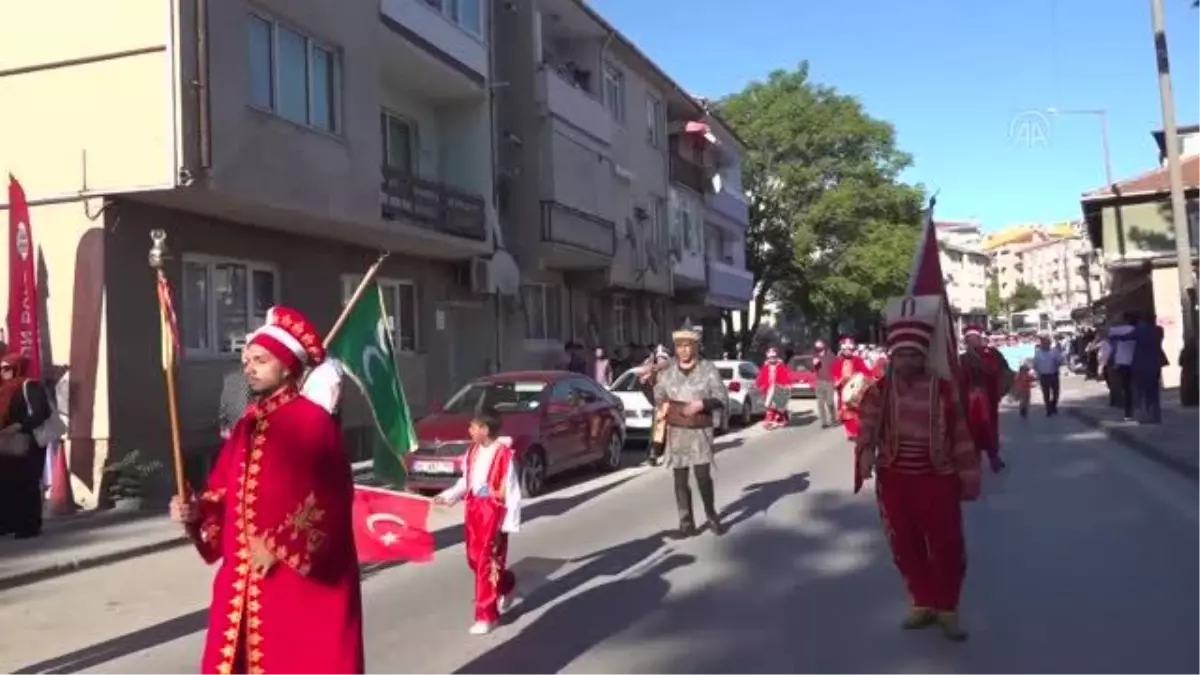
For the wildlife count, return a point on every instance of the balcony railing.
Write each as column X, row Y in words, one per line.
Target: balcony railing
column 575, row 105
column 431, row 205
column 689, row 174
column 562, row 224
column 735, row 211
column 729, row 283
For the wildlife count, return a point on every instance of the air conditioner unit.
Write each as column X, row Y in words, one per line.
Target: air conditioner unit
column 480, row 281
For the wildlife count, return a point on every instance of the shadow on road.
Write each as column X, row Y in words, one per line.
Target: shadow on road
column 760, row 497
column 130, row 643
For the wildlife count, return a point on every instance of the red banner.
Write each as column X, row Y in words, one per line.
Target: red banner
column 22, row 322
column 391, row 526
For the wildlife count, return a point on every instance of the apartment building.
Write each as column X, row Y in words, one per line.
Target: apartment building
column 280, row 145
column 1058, row 262
column 590, row 178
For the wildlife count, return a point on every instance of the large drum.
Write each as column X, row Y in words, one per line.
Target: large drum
column 852, row 391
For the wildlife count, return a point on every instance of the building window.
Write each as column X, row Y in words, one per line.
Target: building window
column 292, row 75
column 543, row 311
column 659, row 224
column 399, row 142
column 654, row 121
column 222, row 301
column 614, row 92
column 466, row 14
column 400, row 304
column 622, row 315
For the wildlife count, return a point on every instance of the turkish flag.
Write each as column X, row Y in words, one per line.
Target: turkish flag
column 391, row 526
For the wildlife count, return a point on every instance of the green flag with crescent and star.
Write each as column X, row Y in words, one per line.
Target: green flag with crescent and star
column 364, row 346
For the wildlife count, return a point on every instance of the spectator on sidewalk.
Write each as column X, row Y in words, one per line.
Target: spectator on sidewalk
column 1148, row 361
column 1048, row 362
column 1123, row 341
column 24, row 407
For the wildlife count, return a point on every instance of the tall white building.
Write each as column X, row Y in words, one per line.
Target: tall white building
column 1055, row 261
column 965, row 268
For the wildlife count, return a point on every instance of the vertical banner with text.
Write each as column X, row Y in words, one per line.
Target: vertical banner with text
column 22, row 321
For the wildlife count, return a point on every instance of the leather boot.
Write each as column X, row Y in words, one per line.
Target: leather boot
column 683, row 502
column 704, row 483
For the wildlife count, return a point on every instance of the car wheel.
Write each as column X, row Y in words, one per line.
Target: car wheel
column 747, row 416
column 533, row 473
column 613, row 454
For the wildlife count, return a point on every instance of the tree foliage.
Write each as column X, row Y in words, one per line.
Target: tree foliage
column 832, row 229
column 1024, row 297
column 997, row 304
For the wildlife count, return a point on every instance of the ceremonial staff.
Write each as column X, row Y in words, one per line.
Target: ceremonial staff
column 170, row 350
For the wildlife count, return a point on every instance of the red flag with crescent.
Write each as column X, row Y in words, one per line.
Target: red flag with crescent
column 391, row 526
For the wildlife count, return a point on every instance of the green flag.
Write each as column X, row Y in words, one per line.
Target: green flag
column 364, row 346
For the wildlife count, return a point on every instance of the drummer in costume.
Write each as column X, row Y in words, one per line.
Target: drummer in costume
column 985, row 377
column 686, row 394
column 850, row 374
column 774, row 381
column 916, row 442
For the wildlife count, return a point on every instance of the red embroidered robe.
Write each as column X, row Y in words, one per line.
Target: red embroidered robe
column 773, row 379
column 844, row 368
column 487, row 546
column 283, row 477
column 984, row 377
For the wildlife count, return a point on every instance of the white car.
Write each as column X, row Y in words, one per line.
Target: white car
column 639, row 413
column 745, row 400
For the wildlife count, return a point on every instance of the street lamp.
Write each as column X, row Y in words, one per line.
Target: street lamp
column 1108, row 179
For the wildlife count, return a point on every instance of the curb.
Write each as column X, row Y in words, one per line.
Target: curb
column 58, row 568
column 63, row 567
column 1140, row 445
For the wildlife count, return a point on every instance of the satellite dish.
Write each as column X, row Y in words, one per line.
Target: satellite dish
column 716, row 182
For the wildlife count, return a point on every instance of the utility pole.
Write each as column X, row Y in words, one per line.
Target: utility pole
column 1183, row 245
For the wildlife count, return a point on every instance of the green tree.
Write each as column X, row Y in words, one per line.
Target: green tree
column 1024, row 297
column 997, row 306
column 832, row 229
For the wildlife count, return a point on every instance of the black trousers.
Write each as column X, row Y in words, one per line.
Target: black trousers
column 1051, row 385
column 1125, row 385
column 21, row 493
column 683, row 494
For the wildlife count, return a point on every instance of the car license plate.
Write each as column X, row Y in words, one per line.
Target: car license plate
column 433, row 467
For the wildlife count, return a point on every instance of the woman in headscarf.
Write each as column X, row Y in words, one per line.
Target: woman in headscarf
column 24, row 407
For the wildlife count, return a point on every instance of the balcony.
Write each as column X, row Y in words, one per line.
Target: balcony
column 729, row 287
column 441, row 51
column 730, row 211
column 433, row 206
column 576, row 240
column 689, row 174
column 573, row 104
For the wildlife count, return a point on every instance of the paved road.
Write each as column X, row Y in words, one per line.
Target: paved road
column 1083, row 559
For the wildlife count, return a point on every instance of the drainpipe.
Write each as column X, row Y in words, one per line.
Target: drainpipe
column 203, row 107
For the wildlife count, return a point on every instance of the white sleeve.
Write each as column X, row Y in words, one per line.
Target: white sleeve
column 324, row 385
column 512, row 501
column 455, row 492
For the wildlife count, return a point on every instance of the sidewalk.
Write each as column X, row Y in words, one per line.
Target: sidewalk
column 1172, row 443
column 94, row 538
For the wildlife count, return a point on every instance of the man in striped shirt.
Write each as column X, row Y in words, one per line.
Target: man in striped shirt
column 918, row 446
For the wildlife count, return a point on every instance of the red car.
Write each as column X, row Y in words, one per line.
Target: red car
column 805, row 385
column 557, row 420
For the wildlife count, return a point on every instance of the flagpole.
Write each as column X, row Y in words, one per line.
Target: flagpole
column 157, row 252
column 367, row 280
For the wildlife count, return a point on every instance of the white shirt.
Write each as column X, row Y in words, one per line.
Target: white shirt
column 1103, row 352
column 323, row 385
column 1123, row 348
column 481, row 466
column 1047, row 361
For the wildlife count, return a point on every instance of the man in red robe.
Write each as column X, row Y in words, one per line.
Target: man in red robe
column 775, row 381
column 985, row 378
column 492, row 489
column 850, row 373
column 918, row 446
column 277, row 515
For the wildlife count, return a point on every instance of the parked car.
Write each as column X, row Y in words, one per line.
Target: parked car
column 639, row 412
column 745, row 400
column 806, row 380
column 557, row 421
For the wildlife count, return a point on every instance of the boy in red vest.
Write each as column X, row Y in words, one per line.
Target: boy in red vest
column 493, row 511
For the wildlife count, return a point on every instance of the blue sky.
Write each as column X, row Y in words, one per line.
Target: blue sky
column 965, row 82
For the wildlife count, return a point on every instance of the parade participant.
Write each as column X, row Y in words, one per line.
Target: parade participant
column 879, row 366
column 850, row 374
column 686, row 394
column 774, row 381
column 916, row 443
column 1023, row 387
column 647, row 376
column 493, row 493
column 277, row 514
column 986, row 378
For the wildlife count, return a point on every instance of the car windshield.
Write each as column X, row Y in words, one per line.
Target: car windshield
column 495, row 397
column 626, row 382
column 801, row 363
column 726, row 373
